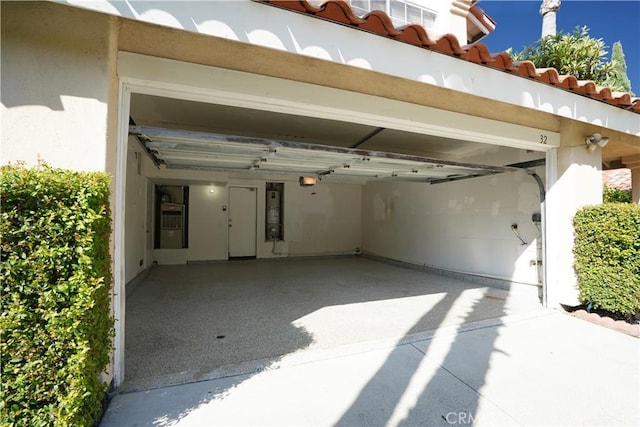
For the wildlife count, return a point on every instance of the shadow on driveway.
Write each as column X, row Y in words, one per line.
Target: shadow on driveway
column 394, row 375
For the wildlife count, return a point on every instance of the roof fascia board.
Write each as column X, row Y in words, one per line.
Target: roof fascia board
column 176, row 79
column 253, row 23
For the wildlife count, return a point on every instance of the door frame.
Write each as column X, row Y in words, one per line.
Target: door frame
column 144, row 74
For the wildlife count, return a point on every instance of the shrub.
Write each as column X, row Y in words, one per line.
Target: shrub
column 615, row 195
column 607, row 256
column 55, row 290
column 577, row 54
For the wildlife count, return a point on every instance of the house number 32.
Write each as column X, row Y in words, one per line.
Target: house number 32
column 543, row 139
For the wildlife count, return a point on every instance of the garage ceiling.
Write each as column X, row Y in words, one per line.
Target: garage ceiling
column 184, row 134
column 155, row 111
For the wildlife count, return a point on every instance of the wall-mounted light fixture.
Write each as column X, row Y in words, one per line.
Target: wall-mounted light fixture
column 596, row 140
column 307, row 181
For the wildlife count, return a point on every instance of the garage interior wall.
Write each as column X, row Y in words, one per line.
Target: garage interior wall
column 325, row 220
column 135, row 213
column 463, row 226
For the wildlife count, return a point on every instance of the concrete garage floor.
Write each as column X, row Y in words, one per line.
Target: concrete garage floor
column 195, row 322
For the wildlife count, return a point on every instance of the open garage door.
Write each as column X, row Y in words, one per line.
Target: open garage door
column 181, row 149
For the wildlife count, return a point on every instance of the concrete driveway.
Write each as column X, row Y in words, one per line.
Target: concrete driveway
column 539, row 368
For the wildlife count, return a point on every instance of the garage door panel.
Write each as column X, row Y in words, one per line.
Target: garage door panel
column 184, row 149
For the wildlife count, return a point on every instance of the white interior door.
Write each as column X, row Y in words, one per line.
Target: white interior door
column 242, row 221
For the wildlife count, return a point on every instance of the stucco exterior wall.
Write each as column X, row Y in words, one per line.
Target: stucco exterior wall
column 55, row 86
column 258, row 25
column 451, row 18
column 635, row 185
column 576, row 181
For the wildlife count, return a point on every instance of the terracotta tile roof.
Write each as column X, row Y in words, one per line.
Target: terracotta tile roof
column 617, row 178
column 475, row 33
column 486, row 20
column 378, row 22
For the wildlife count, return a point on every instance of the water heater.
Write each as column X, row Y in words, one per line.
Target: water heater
column 273, row 215
column 273, row 208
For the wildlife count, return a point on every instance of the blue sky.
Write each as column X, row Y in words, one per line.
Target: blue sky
column 518, row 24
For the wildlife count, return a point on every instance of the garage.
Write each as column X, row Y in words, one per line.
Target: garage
column 412, row 147
column 266, row 237
column 307, row 198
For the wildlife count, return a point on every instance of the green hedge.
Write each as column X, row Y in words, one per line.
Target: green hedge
column 607, row 256
column 55, row 283
column 615, row 195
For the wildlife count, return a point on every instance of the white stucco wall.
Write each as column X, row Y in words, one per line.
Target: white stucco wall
column 450, row 19
column 577, row 182
column 263, row 25
column 446, row 20
column 55, row 87
column 635, row 185
column 325, row 223
column 328, row 222
column 462, row 226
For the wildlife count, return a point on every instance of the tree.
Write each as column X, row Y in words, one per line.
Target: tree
column 575, row 54
column 618, row 78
